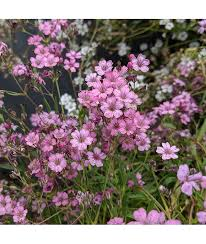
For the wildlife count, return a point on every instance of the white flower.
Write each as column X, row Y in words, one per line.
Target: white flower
column 140, row 77
column 160, row 96
column 180, row 21
column 154, row 50
column 194, row 44
column 202, row 53
column 164, row 35
column 87, row 71
column 166, row 88
column 158, row 43
column 169, row 26
column 78, row 80
column 122, row 48
column 82, row 28
column 69, row 103
column 136, row 85
column 143, row 46
column 164, row 21
column 182, row 36
column 86, row 49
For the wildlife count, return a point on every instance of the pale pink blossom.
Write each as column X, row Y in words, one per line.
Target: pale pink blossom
column 103, row 67
column 81, row 139
column 167, row 151
column 57, row 162
column 96, row 157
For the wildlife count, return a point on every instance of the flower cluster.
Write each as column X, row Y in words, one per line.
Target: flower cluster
column 118, row 139
column 181, row 107
column 111, row 103
column 141, row 217
column 16, row 209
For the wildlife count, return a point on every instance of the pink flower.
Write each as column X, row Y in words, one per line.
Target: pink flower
column 173, row 222
column 128, row 143
column 19, row 214
column 143, row 142
column 166, row 108
column 114, row 127
column 57, row 162
column 96, row 157
column 61, row 199
column 71, row 65
column 81, row 139
column 92, row 78
column 201, row 216
column 51, row 60
column 3, row 48
column 103, row 67
column 153, row 217
column 32, row 139
column 140, row 215
column 56, row 48
column 87, row 98
column 140, row 182
column 20, row 70
column 189, row 182
column 5, row 205
column 127, row 126
column 116, row 221
column 34, row 166
column 112, row 108
column 38, row 62
column 34, row 40
column 114, row 79
column 140, row 63
column 52, row 27
column 124, row 95
column 202, row 26
column 167, row 151
column 41, row 50
column 101, row 90
column 48, row 143
column 73, row 55
column 130, row 183
column 141, row 122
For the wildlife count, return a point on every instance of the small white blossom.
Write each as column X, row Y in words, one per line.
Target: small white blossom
column 78, row 80
column 164, row 21
column 202, row 53
column 182, row 36
column 82, row 28
column 69, row 103
column 136, row 85
column 160, row 96
column 140, row 77
column 166, row 88
column 194, row 44
column 122, row 48
column 143, row 46
column 169, row 26
column 154, row 50
column 180, row 21
column 158, row 43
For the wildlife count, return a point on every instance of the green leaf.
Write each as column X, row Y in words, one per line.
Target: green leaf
column 202, row 131
column 1, row 118
column 169, row 125
column 6, row 166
